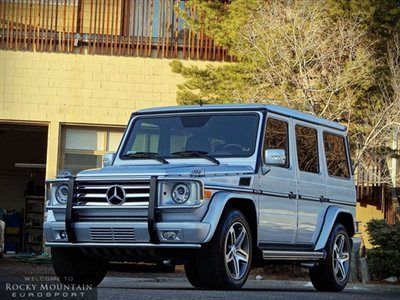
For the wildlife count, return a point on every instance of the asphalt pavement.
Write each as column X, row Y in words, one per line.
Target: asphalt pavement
column 179, row 288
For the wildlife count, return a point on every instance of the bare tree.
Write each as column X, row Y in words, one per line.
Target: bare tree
column 304, row 59
column 374, row 143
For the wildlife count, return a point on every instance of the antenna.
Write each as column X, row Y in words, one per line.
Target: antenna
column 200, row 102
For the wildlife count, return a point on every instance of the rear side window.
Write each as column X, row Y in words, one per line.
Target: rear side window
column 276, row 137
column 336, row 158
column 307, row 149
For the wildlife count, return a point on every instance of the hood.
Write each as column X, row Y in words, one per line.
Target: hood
column 172, row 170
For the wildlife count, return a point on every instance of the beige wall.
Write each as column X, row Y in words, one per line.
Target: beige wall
column 55, row 88
column 365, row 214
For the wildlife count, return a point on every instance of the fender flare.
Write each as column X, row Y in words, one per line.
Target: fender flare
column 331, row 216
column 217, row 206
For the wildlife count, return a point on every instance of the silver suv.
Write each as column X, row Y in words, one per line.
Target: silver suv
column 217, row 188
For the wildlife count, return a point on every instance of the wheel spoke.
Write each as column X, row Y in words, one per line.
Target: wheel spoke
column 232, row 234
column 335, row 249
column 336, row 267
column 344, row 257
column 242, row 255
column 236, row 267
column 229, row 256
column 240, row 238
column 342, row 270
column 341, row 243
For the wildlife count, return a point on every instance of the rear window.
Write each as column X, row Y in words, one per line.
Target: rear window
column 336, row 157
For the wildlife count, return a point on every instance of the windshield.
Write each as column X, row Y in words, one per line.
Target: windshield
column 215, row 135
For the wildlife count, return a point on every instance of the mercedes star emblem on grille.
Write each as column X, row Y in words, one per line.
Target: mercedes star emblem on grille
column 115, row 195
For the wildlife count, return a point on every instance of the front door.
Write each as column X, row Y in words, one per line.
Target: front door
column 277, row 202
column 311, row 182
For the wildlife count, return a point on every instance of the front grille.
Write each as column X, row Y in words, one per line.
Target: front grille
column 109, row 234
column 94, row 192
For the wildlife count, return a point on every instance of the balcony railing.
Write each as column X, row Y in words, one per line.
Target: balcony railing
column 147, row 28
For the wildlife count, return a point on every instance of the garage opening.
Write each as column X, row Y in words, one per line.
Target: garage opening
column 22, row 183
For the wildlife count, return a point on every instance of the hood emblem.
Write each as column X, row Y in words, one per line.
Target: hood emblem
column 198, row 173
column 115, row 195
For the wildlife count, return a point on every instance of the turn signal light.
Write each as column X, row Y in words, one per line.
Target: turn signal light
column 207, row 194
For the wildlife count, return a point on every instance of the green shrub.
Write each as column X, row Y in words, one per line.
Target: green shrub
column 384, row 258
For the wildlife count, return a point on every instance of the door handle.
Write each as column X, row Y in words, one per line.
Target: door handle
column 323, row 199
column 292, row 195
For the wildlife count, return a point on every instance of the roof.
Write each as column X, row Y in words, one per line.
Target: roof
column 248, row 107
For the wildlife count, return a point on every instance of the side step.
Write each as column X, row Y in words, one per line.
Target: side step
column 292, row 255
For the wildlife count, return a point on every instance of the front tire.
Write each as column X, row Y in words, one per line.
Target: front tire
column 333, row 273
column 73, row 267
column 223, row 263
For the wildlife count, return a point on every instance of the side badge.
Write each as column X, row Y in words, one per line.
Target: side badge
column 198, row 173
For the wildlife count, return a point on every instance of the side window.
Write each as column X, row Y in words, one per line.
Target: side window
column 307, row 149
column 276, row 137
column 336, row 158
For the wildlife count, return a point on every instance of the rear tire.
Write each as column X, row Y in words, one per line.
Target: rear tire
column 73, row 267
column 332, row 274
column 224, row 263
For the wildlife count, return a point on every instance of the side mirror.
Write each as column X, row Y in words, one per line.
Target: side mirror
column 275, row 157
column 108, row 159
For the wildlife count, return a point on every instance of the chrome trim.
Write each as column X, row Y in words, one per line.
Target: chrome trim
column 56, row 206
column 84, row 195
column 181, row 207
column 108, row 206
column 342, row 202
column 132, row 187
column 114, row 177
column 308, row 198
column 292, row 255
column 246, row 190
column 123, row 245
column 56, row 180
column 227, row 188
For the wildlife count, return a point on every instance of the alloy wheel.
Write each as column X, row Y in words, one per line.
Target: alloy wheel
column 341, row 257
column 237, row 248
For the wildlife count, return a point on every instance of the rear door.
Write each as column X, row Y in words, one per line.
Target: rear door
column 311, row 179
column 277, row 203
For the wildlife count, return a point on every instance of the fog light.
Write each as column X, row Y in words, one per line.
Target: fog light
column 170, row 235
column 63, row 235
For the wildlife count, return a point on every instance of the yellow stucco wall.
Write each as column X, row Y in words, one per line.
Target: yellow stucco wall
column 365, row 214
column 55, row 88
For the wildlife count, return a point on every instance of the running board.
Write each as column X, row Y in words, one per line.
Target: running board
column 292, row 255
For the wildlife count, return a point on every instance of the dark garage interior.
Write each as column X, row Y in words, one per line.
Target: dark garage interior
column 22, row 175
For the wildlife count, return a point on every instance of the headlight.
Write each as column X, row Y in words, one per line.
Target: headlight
column 180, row 193
column 62, row 194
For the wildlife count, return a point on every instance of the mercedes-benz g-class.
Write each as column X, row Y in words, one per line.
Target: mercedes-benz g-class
column 217, row 188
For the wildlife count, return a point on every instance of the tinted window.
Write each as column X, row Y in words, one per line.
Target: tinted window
column 276, row 137
column 336, row 158
column 214, row 134
column 307, row 149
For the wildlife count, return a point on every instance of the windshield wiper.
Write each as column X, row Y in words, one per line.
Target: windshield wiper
column 152, row 155
column 202, row 154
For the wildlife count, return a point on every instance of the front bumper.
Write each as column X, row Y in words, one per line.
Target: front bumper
column 127, row 234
